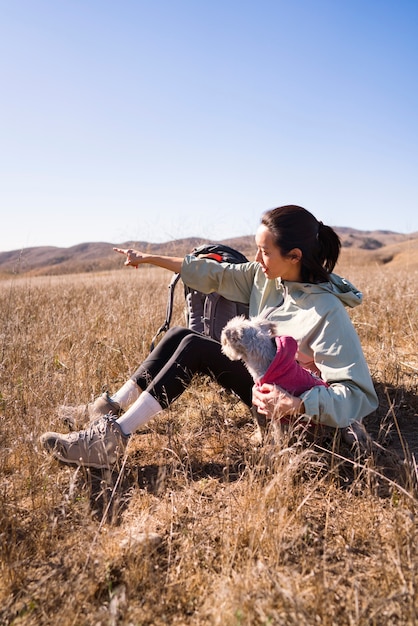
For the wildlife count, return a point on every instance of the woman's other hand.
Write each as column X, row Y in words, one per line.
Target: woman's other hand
column 273, row 401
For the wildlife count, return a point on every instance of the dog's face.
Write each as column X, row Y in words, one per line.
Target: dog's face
column 242, row 337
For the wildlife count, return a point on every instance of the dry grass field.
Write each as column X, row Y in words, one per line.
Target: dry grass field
column 200, row 527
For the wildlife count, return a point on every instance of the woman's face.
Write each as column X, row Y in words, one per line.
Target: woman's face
column 273, row 263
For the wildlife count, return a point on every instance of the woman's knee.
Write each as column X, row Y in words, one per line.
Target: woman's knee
column 176, row 330
column 169, row 343
column 173, row 337
column 200, row 345
column 157, row 358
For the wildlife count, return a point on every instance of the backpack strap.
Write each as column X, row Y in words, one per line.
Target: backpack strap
column 169, row 311
column 195, row 309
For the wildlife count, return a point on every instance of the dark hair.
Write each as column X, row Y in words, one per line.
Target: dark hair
column 294, row 227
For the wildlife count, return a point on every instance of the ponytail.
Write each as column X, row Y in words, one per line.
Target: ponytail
column 329, row 247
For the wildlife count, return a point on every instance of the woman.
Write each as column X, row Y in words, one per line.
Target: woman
column 291, row 282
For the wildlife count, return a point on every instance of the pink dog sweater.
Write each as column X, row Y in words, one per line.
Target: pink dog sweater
column 286, row 372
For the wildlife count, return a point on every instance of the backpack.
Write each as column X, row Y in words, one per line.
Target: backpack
column 206, row 313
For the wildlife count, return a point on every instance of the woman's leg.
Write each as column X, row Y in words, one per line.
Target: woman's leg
column 168, row 370
column 162, row 353
column 163, row 376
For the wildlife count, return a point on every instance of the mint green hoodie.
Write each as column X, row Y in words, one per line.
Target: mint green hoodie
column 315, row 315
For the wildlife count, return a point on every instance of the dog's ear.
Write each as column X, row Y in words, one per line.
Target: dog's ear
column 231, row 342
column 234, row 334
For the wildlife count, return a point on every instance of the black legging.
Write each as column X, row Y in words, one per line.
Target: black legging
column 170, row 367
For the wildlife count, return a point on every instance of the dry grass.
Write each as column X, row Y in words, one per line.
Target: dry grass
column 200, row 527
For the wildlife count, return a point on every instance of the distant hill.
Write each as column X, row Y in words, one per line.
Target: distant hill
column 384, row 247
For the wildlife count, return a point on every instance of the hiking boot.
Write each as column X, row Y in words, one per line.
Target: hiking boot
column 75, row 417
column 100, row 446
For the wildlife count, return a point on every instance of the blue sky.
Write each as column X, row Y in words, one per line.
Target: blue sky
column 159, row 119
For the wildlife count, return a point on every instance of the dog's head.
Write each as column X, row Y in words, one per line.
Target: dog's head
column 243, row 337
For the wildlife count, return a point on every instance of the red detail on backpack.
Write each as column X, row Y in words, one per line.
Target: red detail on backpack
column 213, row 255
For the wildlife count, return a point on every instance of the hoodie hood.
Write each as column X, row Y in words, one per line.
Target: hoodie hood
column 339, row 287
column 345, row 291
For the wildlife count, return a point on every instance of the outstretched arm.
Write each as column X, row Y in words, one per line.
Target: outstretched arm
column 135, row 258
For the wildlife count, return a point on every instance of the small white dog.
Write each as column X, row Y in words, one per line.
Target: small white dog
column 268, row 356
column 251, row 341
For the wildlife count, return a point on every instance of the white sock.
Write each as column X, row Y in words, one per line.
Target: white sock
column 145, row 407
column 127, row 394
